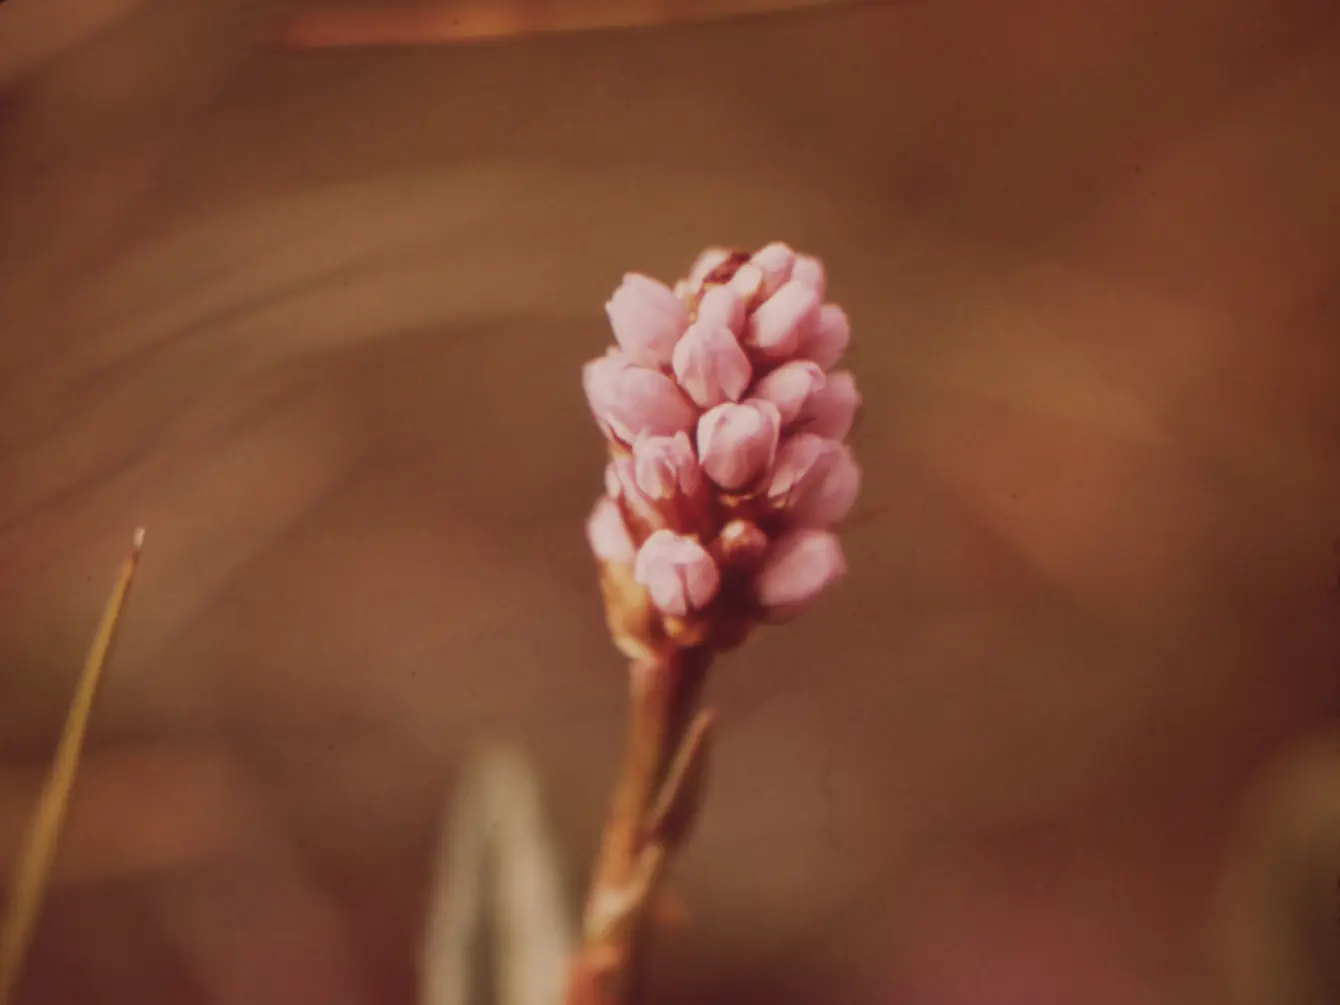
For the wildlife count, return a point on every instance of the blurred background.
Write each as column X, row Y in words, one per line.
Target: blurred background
column 312, row 311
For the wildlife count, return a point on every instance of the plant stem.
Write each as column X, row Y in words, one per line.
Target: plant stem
column 664, row 698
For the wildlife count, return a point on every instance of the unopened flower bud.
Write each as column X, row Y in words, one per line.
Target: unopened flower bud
column 666, row 468
column 799, row 567
column 737, row 443
column 647, row 319
column 790, row 386
column 710, row 365
column 630, row 400
column 721, row 306
column 828, row 340
column 776, row 328
column 826, row 499
column 832, row 409
column 677, row 572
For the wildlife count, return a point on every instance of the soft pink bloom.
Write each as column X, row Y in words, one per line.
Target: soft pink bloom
column 608, row 534
column 827, row 499
column 831, row 410
column 775, row 261
column 678, row 573
column 810, row 271
column 778, row 326
column 737, row 443
column 815, row 480
column 660, row 485
column 803, row 462
column 828, row 340
column 647, row 319
column 630, row 400
column 799, row 567
column 666, row 468
column 790, row 386
column 741, row 543
column 710, row 365
column 747, row 283
column 721, row 306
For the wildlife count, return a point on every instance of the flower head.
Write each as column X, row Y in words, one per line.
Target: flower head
column 728, row 467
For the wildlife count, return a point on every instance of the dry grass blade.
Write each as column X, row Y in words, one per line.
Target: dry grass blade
column 38, row 851
column 498, row 877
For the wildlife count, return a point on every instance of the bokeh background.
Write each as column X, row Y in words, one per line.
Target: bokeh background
column 314, row 317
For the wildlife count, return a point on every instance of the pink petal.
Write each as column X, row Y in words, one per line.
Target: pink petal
column 737, row 443
column 800, row 566
column 607, row 533
column 647, row 319
column 827, row 500
column 747, row 283
column 710, row 365
column 790, row 386
column 678, row 573
column 779, row 324
column 775, row 261
column 831, row 410
column 666, row 468
column 803, row 462
column 828, row 341
column 631, row 400
column 810, row 271
column 722, row 307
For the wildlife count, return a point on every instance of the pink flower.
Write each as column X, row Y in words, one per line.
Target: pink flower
column 803, row 461
column 810, row 271
column 815, row 480
column 831, row 410
column 828, row 500
column 737, row 443
column 647, row 319
column 710, row 365
column 630, row 400
column 722, row 306
column 775, row 262
column 779, row 324
column 747, row 283
column 608, row 534
column 790, row 386
column 828, row 340
column 799, row 567
column 666, row 468
column 679, row 575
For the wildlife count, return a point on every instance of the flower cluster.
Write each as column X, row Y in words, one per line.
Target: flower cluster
column 728, row 467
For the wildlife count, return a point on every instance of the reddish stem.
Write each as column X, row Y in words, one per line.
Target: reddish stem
column 664, row 696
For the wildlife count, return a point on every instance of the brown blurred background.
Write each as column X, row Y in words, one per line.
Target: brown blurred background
column 315, row 318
